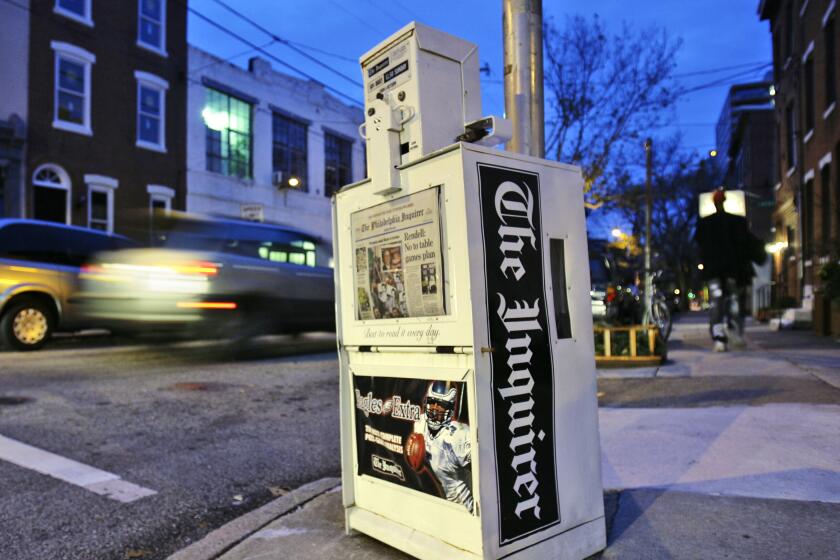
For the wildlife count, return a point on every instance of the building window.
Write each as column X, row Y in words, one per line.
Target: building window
column 78, row 10
column 836, row 158
column 808, row 218
column 337, row 163
column 789, row 29
column 825, row 206
column 808, row 85
column 160, row 203
column 790, row 125
column 72, row 88
column 51, row 194
column 100, row 202
column 227, row 122
column 830, row 64
column 151, row 25
column 160, row 197
column 289, row 149
column 3, row 174
column 151, row 111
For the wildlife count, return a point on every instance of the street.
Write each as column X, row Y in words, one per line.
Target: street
column 199, row 434
column 210, row 432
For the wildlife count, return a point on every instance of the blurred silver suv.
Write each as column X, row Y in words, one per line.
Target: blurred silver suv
column 39, row 273
column 215, row 277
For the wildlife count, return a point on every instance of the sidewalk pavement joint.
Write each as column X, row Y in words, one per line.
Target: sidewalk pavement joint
column 223, row 539
column 813, row 372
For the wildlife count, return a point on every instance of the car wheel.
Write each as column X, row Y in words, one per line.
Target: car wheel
column 26, row 325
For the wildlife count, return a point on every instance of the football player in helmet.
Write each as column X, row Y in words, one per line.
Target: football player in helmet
column 447, row 442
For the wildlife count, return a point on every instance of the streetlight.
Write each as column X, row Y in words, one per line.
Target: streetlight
column 617, row 233
column 713, row 153
column 776, row 248
column 294, row 182
column 700, row 266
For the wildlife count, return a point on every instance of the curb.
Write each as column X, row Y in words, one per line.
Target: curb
column 227, row 536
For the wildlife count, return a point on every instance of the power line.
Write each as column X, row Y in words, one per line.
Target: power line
column 356, row 17
column 385, row 11
column 721, row 81
column 311, row 129
column 231, row 57
column 16, row 5
column 405, row 9
column 283, row 41
column 271, row 56
column 681, row 125
column 719, row 69
column 323, row 52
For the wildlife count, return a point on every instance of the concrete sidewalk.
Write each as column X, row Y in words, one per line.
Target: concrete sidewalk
column 729, row 480
column 787, row 353
column 737, row 482
column 641, row 524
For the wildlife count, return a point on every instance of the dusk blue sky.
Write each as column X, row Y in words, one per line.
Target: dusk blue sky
column 715, row 34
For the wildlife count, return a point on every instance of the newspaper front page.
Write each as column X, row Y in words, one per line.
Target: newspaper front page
column 399, row 265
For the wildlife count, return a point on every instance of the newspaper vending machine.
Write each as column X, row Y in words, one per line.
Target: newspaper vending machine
column 468, row 404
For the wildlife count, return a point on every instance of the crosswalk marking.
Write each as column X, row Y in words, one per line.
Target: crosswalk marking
column 90, row 478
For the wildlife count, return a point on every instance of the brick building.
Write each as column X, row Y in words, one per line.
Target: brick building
column 14, row 65
column 807, row 215
column 105, row 125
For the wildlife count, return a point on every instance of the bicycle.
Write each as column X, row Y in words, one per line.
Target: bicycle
column 658, row 313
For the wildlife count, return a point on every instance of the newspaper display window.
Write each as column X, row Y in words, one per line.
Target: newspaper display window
column 398, row 259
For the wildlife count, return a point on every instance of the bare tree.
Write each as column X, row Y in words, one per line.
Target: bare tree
column 604, row 92
column 677, row 183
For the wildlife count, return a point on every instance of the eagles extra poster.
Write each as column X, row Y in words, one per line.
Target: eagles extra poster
column 415, row 433
column 521, row 366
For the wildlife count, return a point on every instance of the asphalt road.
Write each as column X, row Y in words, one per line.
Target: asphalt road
column 212, row 430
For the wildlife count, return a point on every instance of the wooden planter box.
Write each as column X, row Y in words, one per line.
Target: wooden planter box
column 645, row 350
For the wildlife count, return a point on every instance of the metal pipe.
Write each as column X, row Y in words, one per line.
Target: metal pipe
column 537, row 143
column 523, row 68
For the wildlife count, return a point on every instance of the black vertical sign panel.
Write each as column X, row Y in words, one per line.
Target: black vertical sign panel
column 521, row 366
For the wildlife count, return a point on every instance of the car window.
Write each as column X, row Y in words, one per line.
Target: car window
column 275, row 245
column 290, row 247
column 246, row 240
column 194, row 235
column 599, row 273
column 34, row 243
column 54, row 244
column 82, row 245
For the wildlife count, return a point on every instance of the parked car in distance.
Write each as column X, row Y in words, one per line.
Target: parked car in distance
column 215, row 277
column 39, row 274
column 599, row 277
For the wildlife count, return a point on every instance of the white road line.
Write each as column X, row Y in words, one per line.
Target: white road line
column 90, row 478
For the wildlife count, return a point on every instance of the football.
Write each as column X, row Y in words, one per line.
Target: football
column 415, row 451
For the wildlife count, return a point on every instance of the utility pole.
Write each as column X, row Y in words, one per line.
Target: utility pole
column 523, row 68
column 648, row 212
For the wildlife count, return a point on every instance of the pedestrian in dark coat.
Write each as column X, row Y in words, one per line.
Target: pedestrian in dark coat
column 727, row 251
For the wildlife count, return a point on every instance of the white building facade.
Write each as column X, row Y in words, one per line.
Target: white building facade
column 266, row 146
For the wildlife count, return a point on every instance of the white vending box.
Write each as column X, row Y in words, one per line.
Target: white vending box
column 469, row 423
